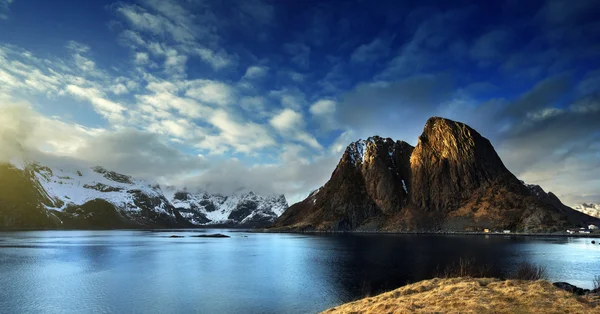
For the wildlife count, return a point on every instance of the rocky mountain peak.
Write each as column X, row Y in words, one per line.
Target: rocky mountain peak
column 452, row 180
column 450, row 161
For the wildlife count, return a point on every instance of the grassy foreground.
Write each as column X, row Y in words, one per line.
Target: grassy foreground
column 474, row 295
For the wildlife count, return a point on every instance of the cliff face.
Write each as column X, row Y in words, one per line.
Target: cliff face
column 453, row 180
column 370, row 181
column 451, row 162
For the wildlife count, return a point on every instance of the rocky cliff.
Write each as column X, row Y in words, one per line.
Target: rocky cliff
column 453, row 180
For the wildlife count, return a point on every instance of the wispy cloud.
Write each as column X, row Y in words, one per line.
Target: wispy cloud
column 4, row 8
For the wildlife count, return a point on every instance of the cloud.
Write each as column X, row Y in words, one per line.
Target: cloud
column 141, row 58
column 561, row 12
column 243, row 137
column 255, row 72
column 433, row 42
column 109, row 109
column 287, row 119
column 140, row 154
column 544, row 94
column 293, row 177
column 491, row 46
column 4, row 4
column 254, row 104
column 299, row 53
column 323, row 107
column 142, row 20
column 25, row 134
column 217, row 60
column 381, row 108
column 324, row 112
column 291, row 124
column 376, row 49
column 211, row 92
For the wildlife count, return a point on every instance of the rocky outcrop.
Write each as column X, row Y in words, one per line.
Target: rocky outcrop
column 370, row 181
column 453, row 180
column 574, row 289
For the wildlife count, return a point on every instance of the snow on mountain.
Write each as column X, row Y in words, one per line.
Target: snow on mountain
column 589, row 209
column 77, row 187
column 358, row 150
column 146, row 203
column 244, row 208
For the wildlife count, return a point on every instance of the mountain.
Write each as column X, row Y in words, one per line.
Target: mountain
column 453, row 180
column 589, row 209
column 36, row 196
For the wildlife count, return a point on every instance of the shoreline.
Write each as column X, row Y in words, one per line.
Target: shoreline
column 520, row 234
column 266, row 230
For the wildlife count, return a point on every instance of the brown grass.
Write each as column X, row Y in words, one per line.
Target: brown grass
column 473, row 295
column 466, row 267
column 527, row 271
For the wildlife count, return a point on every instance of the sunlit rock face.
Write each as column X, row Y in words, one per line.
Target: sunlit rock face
column 450, row 162
column 453, row 180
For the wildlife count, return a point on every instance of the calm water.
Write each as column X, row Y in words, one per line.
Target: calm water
column 147, row 272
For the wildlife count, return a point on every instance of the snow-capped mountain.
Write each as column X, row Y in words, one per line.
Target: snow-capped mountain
column 589, row 209
column 36, row 196
column 245, row 208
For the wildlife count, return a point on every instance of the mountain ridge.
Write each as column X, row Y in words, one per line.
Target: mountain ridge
column 36, row 196
column 453, row 180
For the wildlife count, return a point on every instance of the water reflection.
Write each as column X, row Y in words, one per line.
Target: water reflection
column 141, row 271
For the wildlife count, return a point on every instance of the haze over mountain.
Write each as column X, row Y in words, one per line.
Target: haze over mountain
column 266, row 95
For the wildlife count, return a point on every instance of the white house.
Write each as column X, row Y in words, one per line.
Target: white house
column 592, row 227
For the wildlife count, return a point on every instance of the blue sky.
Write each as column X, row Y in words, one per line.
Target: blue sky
column 265, row 95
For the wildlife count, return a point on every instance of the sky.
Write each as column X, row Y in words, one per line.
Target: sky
column 265, row 95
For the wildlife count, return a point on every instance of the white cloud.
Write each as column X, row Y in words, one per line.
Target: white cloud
column 290, row 97
column 142, row 20
column 323, row 107
column 255, row 72
column 243, row 137
column 211, row 92
column 109, row 109
column 291, row 124
column 253, row 104
column 216, row 60
column 175, row 63
column 141, row 58
column 323, row 111
column 286, row 120
column 119, row 89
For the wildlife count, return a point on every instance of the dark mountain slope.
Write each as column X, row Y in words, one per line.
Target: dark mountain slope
column 453, row 180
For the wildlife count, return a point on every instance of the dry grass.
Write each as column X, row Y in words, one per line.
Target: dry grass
column 466, row 267
column 527, row 271
column 471, row 295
